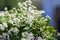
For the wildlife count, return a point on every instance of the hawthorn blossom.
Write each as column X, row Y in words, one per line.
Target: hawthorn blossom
column 10, row 21
column 48, row 17
column 14, row 30
column 1, row 27
column 2, row 13
column 5, row 25
column 25, row 16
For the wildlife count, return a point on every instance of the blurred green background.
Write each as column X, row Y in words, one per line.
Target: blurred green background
column 13, row 3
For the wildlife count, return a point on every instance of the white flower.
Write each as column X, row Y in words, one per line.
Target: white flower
column 30, row 18
column 16, row 20
column 24, row 34
column 33, row 7
column 45, row 20
column 1, row 27
column 25, row 8
column 58, row 33
column 39, row 12
column 19, row 4
column 42, row 11
column 25, row 4
column 29, row 1
column 41, row 29
column 10, row 21
column 5, row 25
column 30, row 36
column 23, row 39
column 13, row 15
column 30, row 8
column 21, row 9
column 5, row 34
column 15, row 30
column 8, row 14
column 2, row 13
column 48, row 17
column 14, row 8
column 5, row 8
column 39, row 38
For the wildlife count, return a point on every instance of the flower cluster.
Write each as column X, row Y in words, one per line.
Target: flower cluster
column 16, row 22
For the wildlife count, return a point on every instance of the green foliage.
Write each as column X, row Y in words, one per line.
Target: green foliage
column 2, row 4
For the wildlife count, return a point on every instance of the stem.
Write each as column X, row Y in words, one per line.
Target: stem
column 20, row 34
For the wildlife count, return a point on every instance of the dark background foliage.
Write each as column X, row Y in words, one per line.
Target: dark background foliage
column 9, row 4
column 13, row 3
